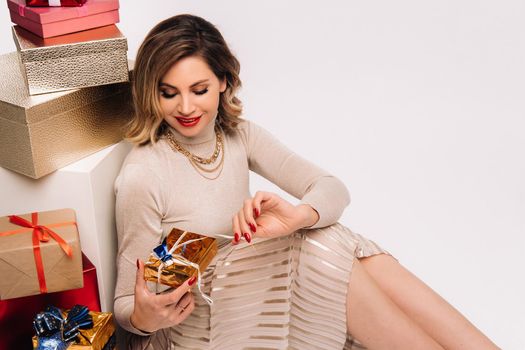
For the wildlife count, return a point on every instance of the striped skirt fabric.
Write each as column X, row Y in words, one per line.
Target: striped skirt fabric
column 280, row 293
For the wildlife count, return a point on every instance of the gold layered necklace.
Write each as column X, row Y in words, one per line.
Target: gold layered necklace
column 199, row 162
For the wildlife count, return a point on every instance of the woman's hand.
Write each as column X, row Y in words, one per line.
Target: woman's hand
column 153, row 312
column 268, row 215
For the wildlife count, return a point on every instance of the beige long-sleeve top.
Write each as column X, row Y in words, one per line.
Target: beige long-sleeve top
column 158, row 189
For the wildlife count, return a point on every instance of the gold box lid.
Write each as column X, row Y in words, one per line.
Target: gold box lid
column 34, row 48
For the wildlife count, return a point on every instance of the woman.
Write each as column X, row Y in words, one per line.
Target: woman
column 291, row 276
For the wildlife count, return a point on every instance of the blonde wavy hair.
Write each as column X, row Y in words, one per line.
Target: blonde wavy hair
column 168, row 42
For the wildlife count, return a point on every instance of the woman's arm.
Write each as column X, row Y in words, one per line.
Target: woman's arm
column 138, row 213
column 268, row 157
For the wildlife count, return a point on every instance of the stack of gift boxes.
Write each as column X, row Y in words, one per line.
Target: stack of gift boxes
column 64, row 102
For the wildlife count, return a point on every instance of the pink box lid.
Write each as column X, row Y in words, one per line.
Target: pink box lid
column 54, row 14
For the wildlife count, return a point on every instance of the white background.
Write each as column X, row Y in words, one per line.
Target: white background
column 418, row 106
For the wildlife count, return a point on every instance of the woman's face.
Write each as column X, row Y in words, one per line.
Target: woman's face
column 189, row 95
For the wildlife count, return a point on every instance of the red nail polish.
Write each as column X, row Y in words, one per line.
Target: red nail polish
column 192, row 281
column 256, row 212
column 236, row 237
column 138, row 265
column 248, row 237
column 252, row 227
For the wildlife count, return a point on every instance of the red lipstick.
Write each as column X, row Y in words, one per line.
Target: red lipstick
column 188, row 122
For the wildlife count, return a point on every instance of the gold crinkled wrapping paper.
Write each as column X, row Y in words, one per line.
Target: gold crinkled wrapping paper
column 94, row 338
column 200, row 252
column 88, row 58
column 40, row 134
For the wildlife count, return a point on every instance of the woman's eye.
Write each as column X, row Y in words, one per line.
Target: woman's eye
column 166, row 95
column 201, row 92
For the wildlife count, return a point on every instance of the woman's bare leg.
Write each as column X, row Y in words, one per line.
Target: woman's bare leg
column 376, row 321
column 424, row 306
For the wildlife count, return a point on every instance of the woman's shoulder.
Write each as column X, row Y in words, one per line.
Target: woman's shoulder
column 145, row 155
column 142, row 162
column 248, row 130
column 139, row 179
column 251, row 134
column 245, row 125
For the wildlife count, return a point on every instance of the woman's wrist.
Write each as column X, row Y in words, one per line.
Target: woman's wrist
column 309, row 215
column 133, row 323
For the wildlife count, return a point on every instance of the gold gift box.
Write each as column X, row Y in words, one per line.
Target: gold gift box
column 94, row 338
column 83, row 59
column 17, row 257
column 40, row 134
column 199, row 252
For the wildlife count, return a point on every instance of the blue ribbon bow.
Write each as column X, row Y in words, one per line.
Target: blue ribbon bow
column 162, row 253
column 54, row 333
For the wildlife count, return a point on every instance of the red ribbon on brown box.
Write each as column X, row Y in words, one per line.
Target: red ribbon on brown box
column 39, row 253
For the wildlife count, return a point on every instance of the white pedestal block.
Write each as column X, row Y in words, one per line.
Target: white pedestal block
column 87, row 187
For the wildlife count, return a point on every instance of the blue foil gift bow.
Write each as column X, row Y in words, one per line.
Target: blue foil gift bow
column 54, row 332
column 161, row 251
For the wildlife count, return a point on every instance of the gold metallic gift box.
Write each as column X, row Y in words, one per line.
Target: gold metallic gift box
column 40, row 134
column 88, row 58
column 96, row 338
column 199, row 252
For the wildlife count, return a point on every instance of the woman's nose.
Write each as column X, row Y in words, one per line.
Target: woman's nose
column 185, row 106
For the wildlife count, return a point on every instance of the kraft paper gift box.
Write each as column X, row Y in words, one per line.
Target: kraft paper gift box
column 16, row 315
column 40, row 134
column 49, row 22
column 87, row 186
column 39, row 253
column 90, row 58
column 100, row 337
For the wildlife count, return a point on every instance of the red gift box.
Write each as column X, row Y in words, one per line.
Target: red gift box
column 48, row 3
column 16, row 315
column 48, row 22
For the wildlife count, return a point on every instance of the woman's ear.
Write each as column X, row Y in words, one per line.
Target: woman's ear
column 223, row 85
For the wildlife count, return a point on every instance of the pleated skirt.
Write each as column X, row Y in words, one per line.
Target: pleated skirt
column 279, row 293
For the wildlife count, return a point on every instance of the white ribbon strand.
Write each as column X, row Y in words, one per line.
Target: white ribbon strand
column 180, row 260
